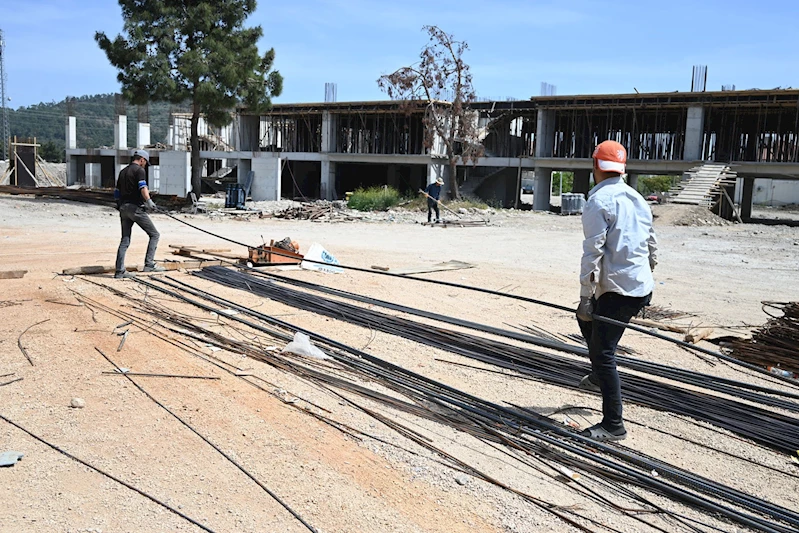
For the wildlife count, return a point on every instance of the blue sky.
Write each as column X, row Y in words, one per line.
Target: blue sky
column 580, row 46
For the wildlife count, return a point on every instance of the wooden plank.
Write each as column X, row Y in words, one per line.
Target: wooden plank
column 169, row 265
column 12, row 274
column 197, row 255
column 659, row 325
column 93, row 269
column 198, row 249
column 438, row 267
column 698, row 334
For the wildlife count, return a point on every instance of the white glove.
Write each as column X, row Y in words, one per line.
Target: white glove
column 585, row 310
column 149, row 204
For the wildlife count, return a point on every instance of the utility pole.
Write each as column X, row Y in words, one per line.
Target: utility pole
column 4, row 131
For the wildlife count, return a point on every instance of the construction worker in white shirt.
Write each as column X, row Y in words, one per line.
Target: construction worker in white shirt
column 619, row 256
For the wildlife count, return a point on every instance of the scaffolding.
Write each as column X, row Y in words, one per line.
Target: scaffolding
column 380, row 133
column 26, row 168
column 647, row 133
column 765, row 133
column 4, row 129
column 296, row 132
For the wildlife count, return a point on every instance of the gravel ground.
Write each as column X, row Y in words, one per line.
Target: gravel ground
column 337, row 483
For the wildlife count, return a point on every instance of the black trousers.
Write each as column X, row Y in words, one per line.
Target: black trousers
column 603, row 338
column 432, row 205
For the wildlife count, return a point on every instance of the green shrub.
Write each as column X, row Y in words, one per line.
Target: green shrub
column 374, row 199
column 654, row 184
column 568, row 181
column 414, row 203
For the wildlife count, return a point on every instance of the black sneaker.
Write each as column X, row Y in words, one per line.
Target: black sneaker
column 154, row 268
column 124, row 275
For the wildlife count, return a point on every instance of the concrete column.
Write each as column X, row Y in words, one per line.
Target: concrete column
column 249, row 134
column 266, row 182
column 438, row 168
column 72, row 170
column 746, row 199
column 175, row 173
column 121, row 132
column 121, row 161
column 72, row 133
column 329, row 131
column 694, row 133
column 392, row 177
column 582, row 182
column 327, row 187
column 142, row 135
column 545, row 133
column 632, row 180
column 543, row 187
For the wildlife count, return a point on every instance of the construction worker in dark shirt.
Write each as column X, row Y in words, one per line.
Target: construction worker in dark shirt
column 133, row 199
column 433, row 194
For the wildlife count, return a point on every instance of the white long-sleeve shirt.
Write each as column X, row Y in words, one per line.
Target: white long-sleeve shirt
column 620, row 248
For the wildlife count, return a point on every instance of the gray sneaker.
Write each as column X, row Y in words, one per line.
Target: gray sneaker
column 124, row 275
column 589, row 383
column 154, row 268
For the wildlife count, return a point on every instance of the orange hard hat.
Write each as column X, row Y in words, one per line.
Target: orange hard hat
column 610, row 156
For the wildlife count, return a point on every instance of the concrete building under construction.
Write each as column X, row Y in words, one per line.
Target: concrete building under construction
column 323, row 150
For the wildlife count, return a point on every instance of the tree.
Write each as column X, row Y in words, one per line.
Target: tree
column 195, row 51
column 566, row 178
column 441, row 75
column 49, row 151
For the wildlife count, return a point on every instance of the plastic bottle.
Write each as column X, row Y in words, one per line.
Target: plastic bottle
column 780, row 372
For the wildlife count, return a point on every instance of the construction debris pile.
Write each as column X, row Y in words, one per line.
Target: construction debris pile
column 686, row 215
column 776, row 344
column 319, row 211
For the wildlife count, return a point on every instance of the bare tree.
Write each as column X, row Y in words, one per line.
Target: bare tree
column 443, row 82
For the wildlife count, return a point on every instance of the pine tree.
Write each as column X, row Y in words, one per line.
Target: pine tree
column 194, row 51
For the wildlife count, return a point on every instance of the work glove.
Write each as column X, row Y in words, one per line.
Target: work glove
column 585, row 310
column 149, row 204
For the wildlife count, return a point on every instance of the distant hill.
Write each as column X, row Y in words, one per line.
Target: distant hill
column 95, row 121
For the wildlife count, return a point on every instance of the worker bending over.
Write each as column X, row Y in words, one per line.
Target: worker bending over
column 619, row 255
column 133, row 196
column 433, row 194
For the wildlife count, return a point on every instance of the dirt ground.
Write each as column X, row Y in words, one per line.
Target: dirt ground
column 720, row 274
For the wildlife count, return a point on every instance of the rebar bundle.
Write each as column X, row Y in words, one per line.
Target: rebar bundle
column 770, row 429
column 524, row 435
column 777, row 343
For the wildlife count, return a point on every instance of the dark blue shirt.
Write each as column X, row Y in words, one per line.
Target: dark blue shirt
column 434, row 190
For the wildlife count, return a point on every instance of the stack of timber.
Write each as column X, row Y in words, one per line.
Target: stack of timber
column 89, row 196
column 704, row 185
column 777, row 343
